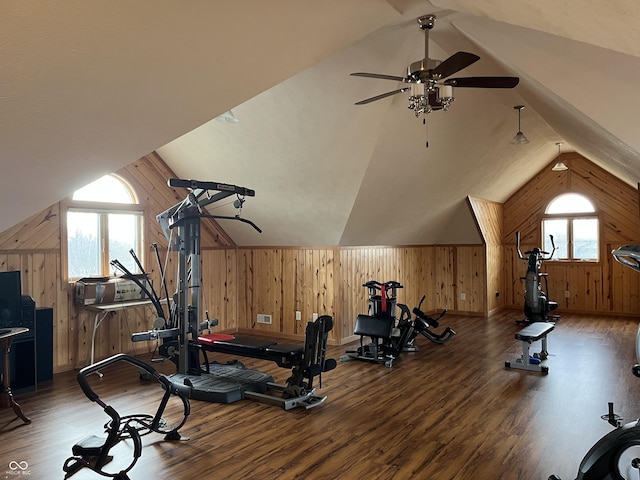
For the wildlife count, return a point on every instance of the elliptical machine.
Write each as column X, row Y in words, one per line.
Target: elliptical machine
column 537, row 307
column 617, row 454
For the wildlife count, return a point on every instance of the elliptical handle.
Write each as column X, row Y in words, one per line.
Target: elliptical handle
column 520, row 256
column 120, row 357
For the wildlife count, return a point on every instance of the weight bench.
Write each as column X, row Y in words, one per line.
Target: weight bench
column 305, row 361
column 532, row 333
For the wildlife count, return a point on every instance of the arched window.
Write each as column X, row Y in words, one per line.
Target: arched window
column 104, row 222
column 572, row 220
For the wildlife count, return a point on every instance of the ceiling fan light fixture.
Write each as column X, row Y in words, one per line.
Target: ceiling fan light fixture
column 559, row 166
column 519, row 138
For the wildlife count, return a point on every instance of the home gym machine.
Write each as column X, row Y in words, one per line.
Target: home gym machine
column 616, row 456
column 537, row 307
column 182, row 341
column 391, row 336
column 93, row 452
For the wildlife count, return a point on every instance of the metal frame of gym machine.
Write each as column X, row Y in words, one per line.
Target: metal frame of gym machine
column 186, row 218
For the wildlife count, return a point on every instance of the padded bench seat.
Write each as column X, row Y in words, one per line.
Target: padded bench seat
column 375, row 327
column 534, row 331
column 282, row 353
column 529, row 334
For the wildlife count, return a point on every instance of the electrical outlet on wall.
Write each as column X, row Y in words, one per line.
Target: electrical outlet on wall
column 314, row 316
column 463, row 296
column 298, row 315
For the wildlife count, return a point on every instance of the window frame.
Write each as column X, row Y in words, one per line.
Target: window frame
column 570, row 217
column 103, row 209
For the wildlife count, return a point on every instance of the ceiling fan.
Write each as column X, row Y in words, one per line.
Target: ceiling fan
column 429, row 86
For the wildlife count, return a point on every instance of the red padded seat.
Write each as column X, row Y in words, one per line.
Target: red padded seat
column 212, row 338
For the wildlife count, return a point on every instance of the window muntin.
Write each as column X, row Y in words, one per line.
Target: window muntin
column 575, row 232
column 103, row 223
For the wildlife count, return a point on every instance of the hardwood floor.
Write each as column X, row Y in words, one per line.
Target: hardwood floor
column 446, row 412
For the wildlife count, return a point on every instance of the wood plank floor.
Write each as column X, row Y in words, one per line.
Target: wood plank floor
column 446, row 412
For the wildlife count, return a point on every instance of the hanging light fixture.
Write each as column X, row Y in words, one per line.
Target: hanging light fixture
column 519, row 139
column 559, row 166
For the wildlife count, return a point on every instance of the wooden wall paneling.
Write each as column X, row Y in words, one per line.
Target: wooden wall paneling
column 602, row 287
column 445, row 263
column 495, row 262
column 38, row 232
column 469, row 278
column 289, row 305
column 245, row 287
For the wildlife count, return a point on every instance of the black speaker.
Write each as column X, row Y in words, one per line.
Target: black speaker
column 44, row 344
column 23, row 363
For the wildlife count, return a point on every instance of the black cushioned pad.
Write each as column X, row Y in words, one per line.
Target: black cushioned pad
column 255, row 348
column 368, row 326
column 534, row 331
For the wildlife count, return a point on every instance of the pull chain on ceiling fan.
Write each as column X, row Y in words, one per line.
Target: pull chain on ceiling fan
column 429, row 91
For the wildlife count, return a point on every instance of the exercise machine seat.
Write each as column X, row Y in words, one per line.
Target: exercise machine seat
column 212, row 338
column 376, row 327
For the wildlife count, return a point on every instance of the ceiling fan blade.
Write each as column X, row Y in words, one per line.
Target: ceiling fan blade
column 381, row 96
column 454, row 63
column 378, row 75
column 483, row 82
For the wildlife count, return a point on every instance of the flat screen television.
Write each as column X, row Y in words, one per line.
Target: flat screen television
column 10, row 299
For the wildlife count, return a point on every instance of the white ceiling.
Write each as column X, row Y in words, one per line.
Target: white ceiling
column 88, row 87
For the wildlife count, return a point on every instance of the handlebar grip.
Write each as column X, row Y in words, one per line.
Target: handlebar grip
column 120, row 357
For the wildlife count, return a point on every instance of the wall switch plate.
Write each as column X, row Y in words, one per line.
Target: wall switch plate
column 314, row 316
column 298, row 315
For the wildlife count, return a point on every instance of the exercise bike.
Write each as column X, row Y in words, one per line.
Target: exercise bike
column 616, row 456
column 537, row 307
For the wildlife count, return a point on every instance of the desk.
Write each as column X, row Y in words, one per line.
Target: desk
column 101, row 311
column 6, row 397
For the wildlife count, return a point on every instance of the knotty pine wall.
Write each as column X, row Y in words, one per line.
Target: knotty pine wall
column 489, row 220
column 279, row 281
column 35, row 248
column 238, row 283
column 242, row 282
column 605, row 286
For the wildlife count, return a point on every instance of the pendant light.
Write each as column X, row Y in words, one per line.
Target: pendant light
column 519, row 139
column 560, row 166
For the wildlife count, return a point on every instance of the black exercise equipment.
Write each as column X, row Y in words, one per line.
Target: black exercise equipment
column 616, row 456
column 422, row 324
column 529, row 334
column 390, row 336
column 93, row 451
column 537, row 307
column 305, row 361
column 181, row 334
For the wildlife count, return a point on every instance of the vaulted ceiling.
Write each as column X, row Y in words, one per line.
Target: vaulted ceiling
column 88, row 87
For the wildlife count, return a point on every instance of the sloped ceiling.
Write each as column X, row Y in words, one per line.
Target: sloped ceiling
column 88, row 87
